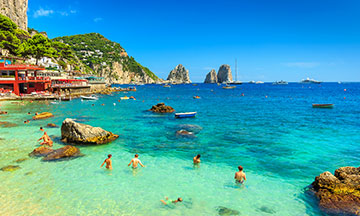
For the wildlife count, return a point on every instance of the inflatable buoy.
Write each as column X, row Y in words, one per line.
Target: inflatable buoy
column 344, row 89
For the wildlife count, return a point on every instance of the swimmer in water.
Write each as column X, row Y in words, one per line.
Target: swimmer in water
column 41, row 129
column 135, row 161
column 196, row 159
column 108, row 162
column 167, row 201
column 240, row 176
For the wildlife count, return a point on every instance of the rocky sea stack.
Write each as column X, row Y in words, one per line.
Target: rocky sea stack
column 179, row 75
column 224, row 74
column 77, row 133
column 162, row 108
column 339, row 193
column 211, row 77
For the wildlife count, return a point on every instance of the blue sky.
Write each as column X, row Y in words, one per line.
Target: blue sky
column 271, row 40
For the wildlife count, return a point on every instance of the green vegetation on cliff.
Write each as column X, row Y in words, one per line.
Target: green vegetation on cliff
column 95, row 51
column 19, row 43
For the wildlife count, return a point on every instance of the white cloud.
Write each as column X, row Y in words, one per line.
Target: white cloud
column 98, row 19
column 41, row 12
column 73, row 11
column 301, row 64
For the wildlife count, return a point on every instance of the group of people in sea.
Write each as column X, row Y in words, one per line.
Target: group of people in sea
column 240, row 176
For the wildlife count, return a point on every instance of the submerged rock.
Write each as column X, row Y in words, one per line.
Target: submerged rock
column 211, row 77
column 41, row 151
column 64, row 152
column 179, row 75
column 266, row 210
column 223, row 211
column 190, row 127
column 21, row 160
column 224, row 74
column 77, row 133
column 339, row 193
column 162, row 108
column 43, row 115
column 10, row 168
column 7, row 124
column 52, row 125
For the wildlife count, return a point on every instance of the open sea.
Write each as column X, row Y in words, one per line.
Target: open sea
column 272, row 131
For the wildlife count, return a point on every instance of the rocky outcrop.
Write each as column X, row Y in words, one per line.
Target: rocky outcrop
column 224, row 74
column 211, row 77
column 7, row 124
column 16, row 11
column 43, row 115
column 339, row 193
column 179, row 75
column 41, row 151
column 77, row 133
column 162, row 108
column 120, row 75
column 62, row 153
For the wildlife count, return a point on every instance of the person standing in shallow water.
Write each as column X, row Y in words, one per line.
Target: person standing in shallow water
column 135, row 161
column 240, row 176
column 196, row 159
column 108, row 162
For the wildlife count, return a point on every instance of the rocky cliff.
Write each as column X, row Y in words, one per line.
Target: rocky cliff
column 179, row 75
column 211, row 77
column 224, row 74
column 108, row 59
column 16, row 11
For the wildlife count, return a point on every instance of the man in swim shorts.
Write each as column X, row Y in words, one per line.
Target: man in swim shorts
column 108, row 162
column 135, row 161
column 47, row 140
column 167, row 201
column 240, row 176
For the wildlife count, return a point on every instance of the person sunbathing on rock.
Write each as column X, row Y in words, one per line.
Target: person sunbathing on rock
column 47, row 140
column 108, row 162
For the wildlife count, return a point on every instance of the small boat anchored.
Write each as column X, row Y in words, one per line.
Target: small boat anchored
column 228, row 87
column 92, row 97
column 185, row 115
column 281, row 82
column 323, row 105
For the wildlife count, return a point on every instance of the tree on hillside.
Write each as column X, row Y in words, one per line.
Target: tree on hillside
column 8, row 38
column 38, row 47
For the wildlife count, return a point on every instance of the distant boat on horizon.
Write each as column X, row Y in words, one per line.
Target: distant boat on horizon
column 281, row 82
column 252, row 82
column 259, row 82
column 309, row 81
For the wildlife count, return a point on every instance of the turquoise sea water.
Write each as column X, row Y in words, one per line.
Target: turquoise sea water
column 280, row 140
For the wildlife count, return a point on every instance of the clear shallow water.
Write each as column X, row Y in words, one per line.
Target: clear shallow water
column 281, row 141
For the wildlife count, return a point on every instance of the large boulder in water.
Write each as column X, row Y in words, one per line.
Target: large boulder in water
column 41, row 151
column 43, row 115
column 162, row 108
column 339, row 193
column 77, row 133
column 224, row 74
column 211, row 77
column 61, row 153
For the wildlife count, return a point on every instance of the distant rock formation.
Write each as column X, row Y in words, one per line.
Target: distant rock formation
column 16, row 11
column 339, row 193
column 211, row 77
column 224, row 74
column 77, row 133
column 179, row 75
